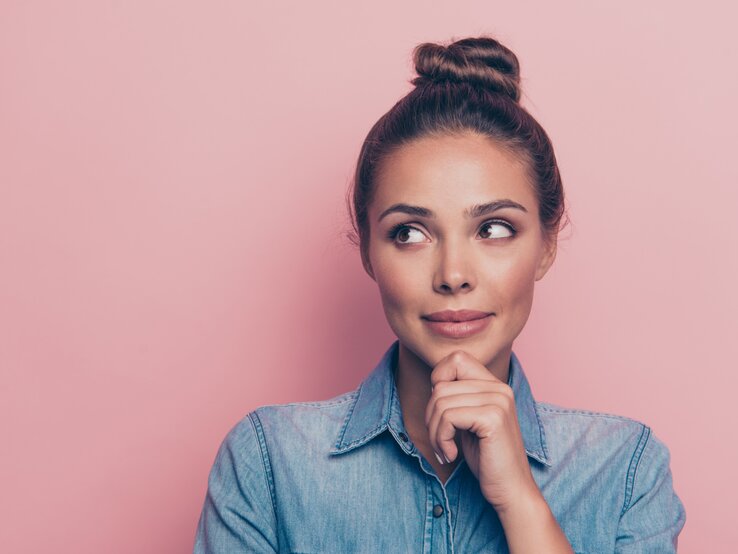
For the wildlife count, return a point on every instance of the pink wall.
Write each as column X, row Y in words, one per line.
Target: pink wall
column 172, row 180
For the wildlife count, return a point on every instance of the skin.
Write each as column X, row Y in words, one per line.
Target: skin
column 453, row 391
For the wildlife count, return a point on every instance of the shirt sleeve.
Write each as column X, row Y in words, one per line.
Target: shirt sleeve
column 653, row 515
column 238, row 514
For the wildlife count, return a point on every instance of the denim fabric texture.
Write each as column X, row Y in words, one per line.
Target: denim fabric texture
column 342, row 476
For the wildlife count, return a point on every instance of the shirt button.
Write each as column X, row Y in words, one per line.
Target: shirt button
column 437, row 510
column 403, row 436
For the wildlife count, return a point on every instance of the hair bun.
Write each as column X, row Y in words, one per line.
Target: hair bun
column 480, row 61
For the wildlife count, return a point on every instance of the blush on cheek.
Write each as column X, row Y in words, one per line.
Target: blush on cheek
column 400, row 292
column 519, row 303
column 391, row 295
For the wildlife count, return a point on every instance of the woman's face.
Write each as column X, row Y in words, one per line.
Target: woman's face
column 427, row 254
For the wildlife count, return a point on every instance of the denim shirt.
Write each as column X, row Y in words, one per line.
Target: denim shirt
column 342, row 475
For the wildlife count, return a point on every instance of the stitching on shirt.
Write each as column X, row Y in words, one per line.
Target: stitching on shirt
column 375, row 431
column 550, row 408
column 544, row 446
column 366, row 437
column 342, row 399
column 391, row 404
column 256, row 422
column 346, row 420
column 633, row 467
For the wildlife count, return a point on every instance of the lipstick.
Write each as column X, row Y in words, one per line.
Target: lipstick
column 458, row 324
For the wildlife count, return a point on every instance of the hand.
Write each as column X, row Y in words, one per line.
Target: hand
column 468, row 398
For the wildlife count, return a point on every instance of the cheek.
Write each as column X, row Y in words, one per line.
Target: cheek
column 400, row 282
column 515, row 285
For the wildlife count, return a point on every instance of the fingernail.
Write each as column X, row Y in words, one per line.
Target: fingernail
column 447, row 460
column 440, row 461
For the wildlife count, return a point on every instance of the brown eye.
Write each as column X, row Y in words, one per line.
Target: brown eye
column 404, row 233
column 497, row 229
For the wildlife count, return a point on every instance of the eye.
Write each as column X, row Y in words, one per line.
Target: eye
column 499, row 229
column 404, row 232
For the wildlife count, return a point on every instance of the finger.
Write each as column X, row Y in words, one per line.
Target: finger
column 460, row 365
column 481, row 420
column 450, row 388
column 443, row 406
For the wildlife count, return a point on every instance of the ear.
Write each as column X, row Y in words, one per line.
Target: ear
column 548, row 257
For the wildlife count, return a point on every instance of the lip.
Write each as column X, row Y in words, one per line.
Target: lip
column 458, row 324
column 456, row 315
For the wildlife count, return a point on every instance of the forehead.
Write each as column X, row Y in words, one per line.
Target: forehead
column 450, row 172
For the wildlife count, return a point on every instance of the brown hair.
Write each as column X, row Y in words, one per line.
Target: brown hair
column 473, row 84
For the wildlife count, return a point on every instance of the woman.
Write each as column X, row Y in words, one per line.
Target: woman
column 457, row 204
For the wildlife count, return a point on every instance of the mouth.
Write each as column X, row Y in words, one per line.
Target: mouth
column 458, row 325
column 456, row 316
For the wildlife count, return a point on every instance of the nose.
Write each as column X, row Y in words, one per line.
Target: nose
column 454, row 269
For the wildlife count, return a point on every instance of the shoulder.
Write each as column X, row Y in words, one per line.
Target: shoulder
column 612, row 468
column 606, row 440
column 587, row 418
column 295, row 424
column 307, row 413
column 610, row 448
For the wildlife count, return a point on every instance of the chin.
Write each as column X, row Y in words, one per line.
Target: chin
column 432, row 351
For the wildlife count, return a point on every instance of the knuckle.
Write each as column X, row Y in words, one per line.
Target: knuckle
column 508, row 399
column 496, row 415
column 444, row 420
column 442, row 404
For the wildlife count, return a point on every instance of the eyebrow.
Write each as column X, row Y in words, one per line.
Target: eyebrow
column 477, row 210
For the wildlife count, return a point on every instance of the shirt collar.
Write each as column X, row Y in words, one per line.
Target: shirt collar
column 376, row 408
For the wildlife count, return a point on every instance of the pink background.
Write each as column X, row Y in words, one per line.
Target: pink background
column 172, row 181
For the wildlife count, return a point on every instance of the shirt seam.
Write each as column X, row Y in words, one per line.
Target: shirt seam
column 347, row 419
column 347, row 397
column 570, row 411
column 541, row 432
column 256, row 422
column 633, row 467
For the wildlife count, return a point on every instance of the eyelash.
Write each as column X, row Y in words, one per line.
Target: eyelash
column 394, row 231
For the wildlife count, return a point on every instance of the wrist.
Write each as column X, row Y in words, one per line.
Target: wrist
column 530, row 526
column 526, row 507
